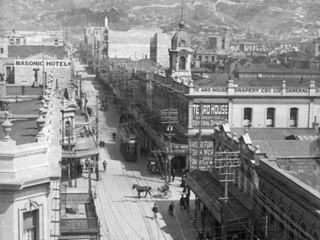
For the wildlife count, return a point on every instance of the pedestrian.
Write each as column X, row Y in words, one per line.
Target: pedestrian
column 200, row 236
column 154, row 210
column 104, row 165
column 103, row 143
column 186, row 202
column 114, row 136
column 170, row 210
column 141, row 151
column 173, row 174
column 182, row 202
column 100, row 143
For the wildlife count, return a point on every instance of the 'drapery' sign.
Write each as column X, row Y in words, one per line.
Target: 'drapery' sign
column 211, row 114
column 39, row 63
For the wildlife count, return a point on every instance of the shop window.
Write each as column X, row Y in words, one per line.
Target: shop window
column 182, row 63
column 31, row 225
column 247, row 117
column 293, row 117
column 270, row 117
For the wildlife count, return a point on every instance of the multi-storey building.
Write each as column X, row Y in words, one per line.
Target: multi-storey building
column 233, row 177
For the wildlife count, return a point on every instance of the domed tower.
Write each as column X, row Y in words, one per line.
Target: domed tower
column 180, row 56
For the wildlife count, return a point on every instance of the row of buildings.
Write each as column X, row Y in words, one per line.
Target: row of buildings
column 45, row 140
column 250, row 144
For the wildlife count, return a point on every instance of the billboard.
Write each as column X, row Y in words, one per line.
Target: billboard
column 202, row 153
column 210, row 114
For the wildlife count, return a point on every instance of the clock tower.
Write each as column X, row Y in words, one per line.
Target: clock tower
column 180, row 56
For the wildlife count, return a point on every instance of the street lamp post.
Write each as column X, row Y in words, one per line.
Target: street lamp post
column 43, row 70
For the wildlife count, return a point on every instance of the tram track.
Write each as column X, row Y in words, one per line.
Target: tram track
column 130, row 176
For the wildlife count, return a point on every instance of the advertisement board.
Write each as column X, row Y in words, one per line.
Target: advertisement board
column 212, row 114
column 202, row 153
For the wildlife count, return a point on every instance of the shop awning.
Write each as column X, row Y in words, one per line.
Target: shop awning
column 209, row 190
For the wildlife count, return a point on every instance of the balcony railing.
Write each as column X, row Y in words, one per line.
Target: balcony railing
column 79, row 225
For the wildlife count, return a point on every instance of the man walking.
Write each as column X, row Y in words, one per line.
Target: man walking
column 182, row 202
column 170, row 210
column 173, row 174
column 154, row 210
column 104, row 165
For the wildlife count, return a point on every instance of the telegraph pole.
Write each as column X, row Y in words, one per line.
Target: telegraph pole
column 169, row 116
column 199, row 134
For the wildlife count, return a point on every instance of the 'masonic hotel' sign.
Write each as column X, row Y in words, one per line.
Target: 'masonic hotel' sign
column 39, row 63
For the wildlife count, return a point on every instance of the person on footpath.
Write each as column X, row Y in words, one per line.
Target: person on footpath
column 200, row 236
column 154, row 210
column 170, row 210
column 182, row 202
column 173, row 174
column 104, row 165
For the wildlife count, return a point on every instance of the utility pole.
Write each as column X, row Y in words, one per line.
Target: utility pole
column 199, row 134
column 43, row 71
column 97, row 136
column 169, row 116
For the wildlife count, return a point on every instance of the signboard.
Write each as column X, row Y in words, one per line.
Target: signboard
column 169, row 115
column 202, row 155
column 39, row 63
column 212, row 114
column 223, row 159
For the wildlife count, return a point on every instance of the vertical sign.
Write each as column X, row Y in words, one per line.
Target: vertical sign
column 204, row 155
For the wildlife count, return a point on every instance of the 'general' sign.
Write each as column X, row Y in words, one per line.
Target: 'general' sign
column 39, row 63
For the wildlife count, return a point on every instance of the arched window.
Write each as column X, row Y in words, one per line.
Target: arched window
column 281, row 220
column 292, row 229
column 247, row 117
column 270, row 117
column 303, row 229
column 293, row 117
column 182, row 63
column 67, row 129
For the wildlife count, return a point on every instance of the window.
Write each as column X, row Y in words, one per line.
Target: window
column 182, row 63
column 293, row 117
column 68, row 129
column 247, row 117
column 31, row 225
column 200, row 58
column 270, row 117
column 236, row 66
column 212, row 59
column 1, row 50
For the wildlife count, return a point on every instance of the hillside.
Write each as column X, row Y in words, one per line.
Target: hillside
column 263, row 16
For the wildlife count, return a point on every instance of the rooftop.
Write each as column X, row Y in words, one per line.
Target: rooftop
column 25, row 51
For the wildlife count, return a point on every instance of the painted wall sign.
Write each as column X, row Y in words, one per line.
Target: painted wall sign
column 203, row 152
column 211, row 114
column 210, row 89
column 39, row 63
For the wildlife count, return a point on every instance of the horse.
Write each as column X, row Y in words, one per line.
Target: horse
column 140, row 189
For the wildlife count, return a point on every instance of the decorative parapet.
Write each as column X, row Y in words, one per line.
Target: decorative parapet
column 243, row 143
column 234, row 90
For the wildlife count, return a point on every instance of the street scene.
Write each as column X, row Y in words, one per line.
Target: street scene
column 160, row 120
column 122, row 215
